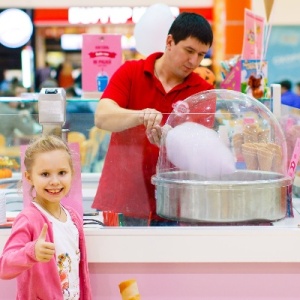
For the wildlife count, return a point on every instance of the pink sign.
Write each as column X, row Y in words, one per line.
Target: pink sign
column 294, row 159
column 101, row 56
column 253, row 45
column 74, row 198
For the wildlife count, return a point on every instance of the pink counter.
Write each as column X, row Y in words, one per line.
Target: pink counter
column 214, row 263
column 276, row 281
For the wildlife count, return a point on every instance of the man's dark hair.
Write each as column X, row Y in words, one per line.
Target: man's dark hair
column 191, row 25
column 287, row 84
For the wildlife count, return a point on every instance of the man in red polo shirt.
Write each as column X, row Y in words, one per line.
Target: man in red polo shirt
column 135, row 104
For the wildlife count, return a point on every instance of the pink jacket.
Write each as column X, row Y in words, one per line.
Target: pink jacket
column 38, row 280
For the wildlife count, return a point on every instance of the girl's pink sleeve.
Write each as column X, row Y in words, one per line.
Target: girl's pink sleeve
column 18, row 253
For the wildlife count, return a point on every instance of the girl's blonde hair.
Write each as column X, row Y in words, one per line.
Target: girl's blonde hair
column 42, row 144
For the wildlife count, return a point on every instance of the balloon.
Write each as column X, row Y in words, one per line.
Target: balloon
column 198, row 149
column 151, row 30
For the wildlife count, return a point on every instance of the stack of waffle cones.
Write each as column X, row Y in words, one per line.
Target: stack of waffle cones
column 250, row 133
column 253, row 134
column 253, row 144
column 129, row 290
column 263, row 136
column 262, row 156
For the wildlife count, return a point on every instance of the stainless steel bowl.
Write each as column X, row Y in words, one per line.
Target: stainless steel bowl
column 238, row 197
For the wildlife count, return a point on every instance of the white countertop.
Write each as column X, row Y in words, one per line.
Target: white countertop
column 211, row 244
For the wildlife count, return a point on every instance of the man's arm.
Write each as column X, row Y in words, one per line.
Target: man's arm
column 110, row 116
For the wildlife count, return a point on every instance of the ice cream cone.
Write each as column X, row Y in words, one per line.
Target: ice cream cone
column 129, row 290
column 260, row 145
column 250, row 156
column 265, row 159
column 237, row 141
column 250, row 133
column 277, row 157
column 263, row 136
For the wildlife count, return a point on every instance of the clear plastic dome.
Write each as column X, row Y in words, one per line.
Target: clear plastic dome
column 223, row 158
column 241, row 124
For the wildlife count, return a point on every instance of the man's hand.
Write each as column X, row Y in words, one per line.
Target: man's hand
column 154, row 135
column 150, row 118
column 44, row 251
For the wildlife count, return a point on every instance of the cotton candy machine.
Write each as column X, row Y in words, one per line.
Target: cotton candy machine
column 223, row 158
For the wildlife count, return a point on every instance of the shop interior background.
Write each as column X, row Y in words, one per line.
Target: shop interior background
column 55, row 39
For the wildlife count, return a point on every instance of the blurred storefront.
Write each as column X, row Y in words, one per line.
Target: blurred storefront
column 57, row 31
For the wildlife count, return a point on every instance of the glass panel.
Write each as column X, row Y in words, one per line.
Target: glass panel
column 179, row 180
column 19, row 125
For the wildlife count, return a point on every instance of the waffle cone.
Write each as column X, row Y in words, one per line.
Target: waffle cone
column 237, row 142
column 249, row 147
column 251, row 162
column 250, row 137
column 263, row 136
column 277, row 157
column 265, row 159
column 250, row 133
column 250, row 156
column 260, row 146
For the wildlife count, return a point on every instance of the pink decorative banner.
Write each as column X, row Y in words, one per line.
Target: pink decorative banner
column 74, row 198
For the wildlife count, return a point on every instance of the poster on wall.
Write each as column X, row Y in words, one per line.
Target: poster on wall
column 283, row 54
column 101, row 55
column 253, row 44
column 249, row 74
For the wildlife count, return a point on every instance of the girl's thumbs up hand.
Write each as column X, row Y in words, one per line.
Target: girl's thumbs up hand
column 44, row 251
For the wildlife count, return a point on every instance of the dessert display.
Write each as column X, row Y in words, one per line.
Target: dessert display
column 240, row 177
column 7, row 165
column 253, row 145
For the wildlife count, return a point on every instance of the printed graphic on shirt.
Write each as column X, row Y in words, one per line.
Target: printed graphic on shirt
column 64, row 269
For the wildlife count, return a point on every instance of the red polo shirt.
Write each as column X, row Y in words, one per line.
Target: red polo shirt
column 125, row 183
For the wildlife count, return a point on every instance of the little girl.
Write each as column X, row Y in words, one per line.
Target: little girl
column 46, row 249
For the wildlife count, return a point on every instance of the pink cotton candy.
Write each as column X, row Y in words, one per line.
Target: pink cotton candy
column 195, row 148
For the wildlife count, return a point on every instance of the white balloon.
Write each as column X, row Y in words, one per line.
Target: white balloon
column 195, row 148
column 151, row 30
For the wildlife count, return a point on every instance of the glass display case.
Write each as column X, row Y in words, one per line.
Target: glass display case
column 222, row 159
column 246, row 251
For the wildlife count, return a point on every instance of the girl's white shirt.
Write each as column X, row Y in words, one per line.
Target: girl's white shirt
column 66, row 241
